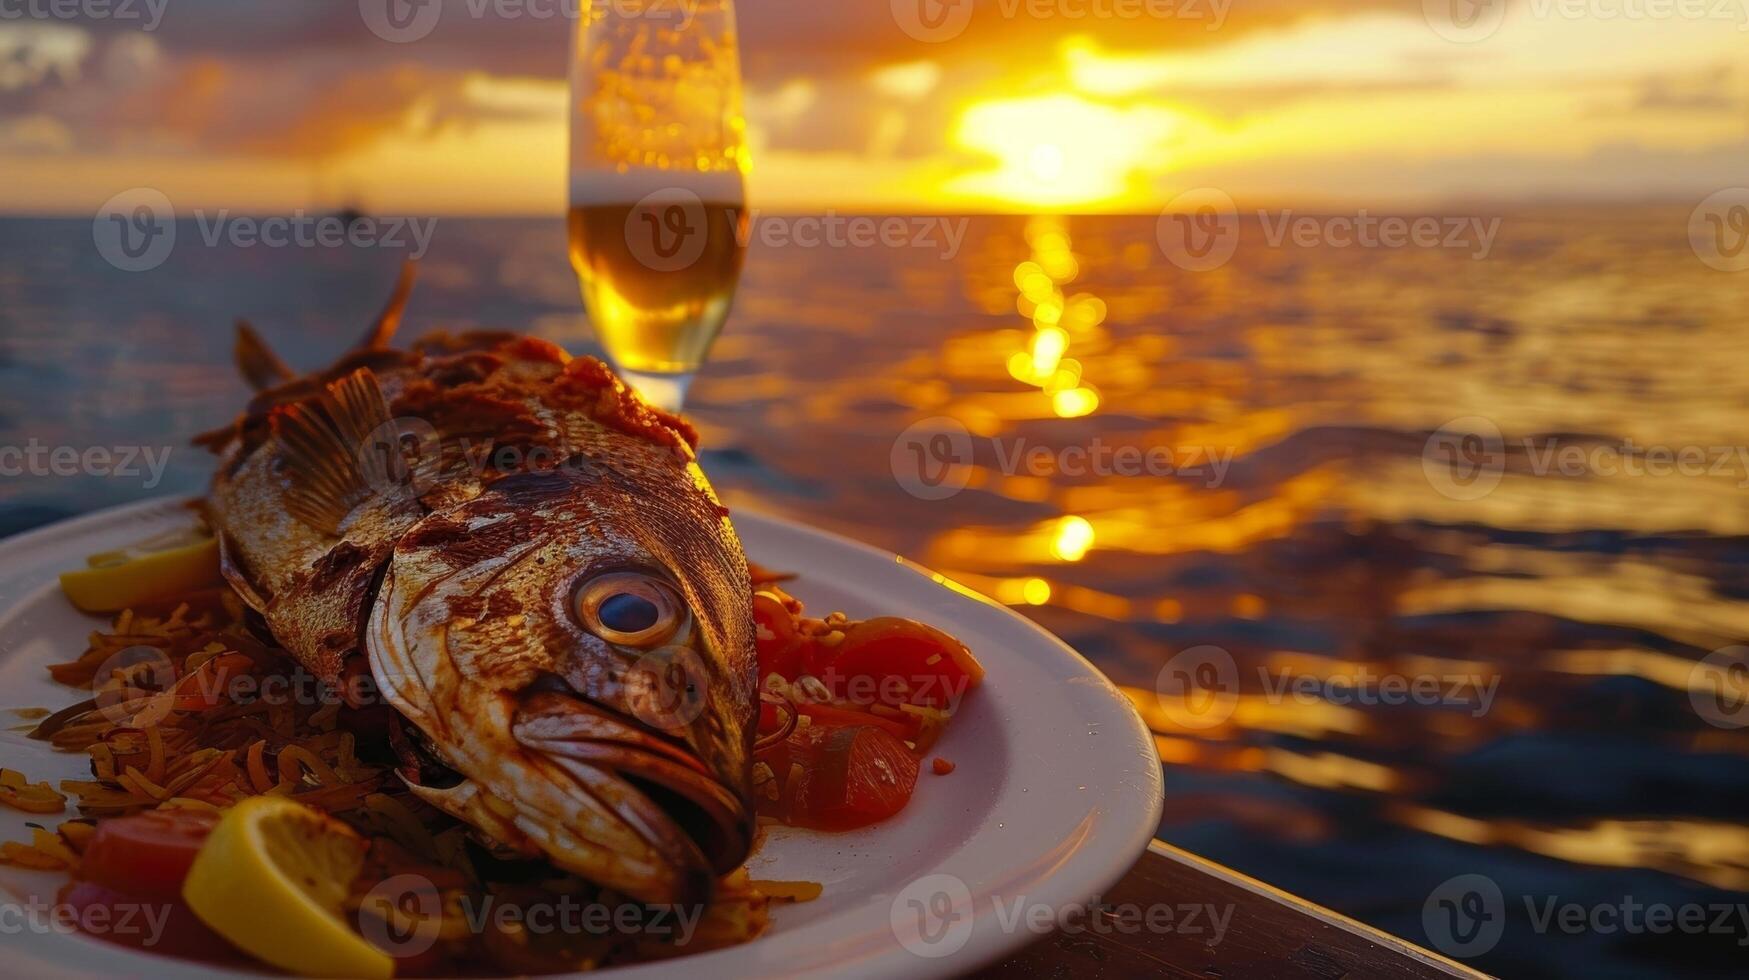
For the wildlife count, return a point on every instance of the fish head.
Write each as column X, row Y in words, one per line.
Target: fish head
column 576, row 645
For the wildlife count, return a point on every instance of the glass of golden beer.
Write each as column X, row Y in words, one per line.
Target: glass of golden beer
column 658, row 220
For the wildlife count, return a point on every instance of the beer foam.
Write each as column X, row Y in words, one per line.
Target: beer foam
column 592, row 187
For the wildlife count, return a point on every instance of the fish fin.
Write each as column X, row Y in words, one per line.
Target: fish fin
column 389, row 320
column 231, row 567
column 260, row 366
column 331, row 446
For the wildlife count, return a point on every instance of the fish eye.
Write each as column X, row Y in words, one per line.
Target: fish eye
column 629, row 608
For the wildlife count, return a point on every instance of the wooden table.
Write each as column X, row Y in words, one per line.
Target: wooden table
column 1270, row 935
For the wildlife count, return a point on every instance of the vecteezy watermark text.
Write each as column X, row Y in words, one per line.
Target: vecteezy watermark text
column 1201, row 229
column 136, row 230
column 1199, row 688
column 1468, row 916
column 933, row 459
column 147, row 13
column 938, row 21
column 1471, row 21
column 406, row 914
column 1467, row 458
column 942, row 234
column 671, row 229
column 406, row 21
column 301, row 230
column 35, row 458
column 935, row 916
column 132, row 923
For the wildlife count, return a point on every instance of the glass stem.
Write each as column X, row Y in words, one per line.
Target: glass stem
column 665, row 391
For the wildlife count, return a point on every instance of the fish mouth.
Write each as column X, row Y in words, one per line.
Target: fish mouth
column 652, row 782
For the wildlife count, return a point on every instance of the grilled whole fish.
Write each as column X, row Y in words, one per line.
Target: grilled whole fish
column 537, row 575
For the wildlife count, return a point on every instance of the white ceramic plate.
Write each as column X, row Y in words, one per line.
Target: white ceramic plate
column 1057, row 791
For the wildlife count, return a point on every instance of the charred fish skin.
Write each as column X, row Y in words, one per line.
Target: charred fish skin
column 542, row 581
column 617, row 771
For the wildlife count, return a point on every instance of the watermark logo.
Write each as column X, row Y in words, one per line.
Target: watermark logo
column 932, row 917
column 936, row 21
column 667, row 687
column 401, row 21
column 932, row 21
column 1718, row 687
column 1198, row 688
column 932, row 458
column 1465, row 458
column 1465, row 916
column 406, row 21
column 1464, row 21
column 402, row 915
column 404, row 452
column 406, row 915
column 128, row 675
column 135, row 230
column 667, row 230
column 1472, row 21
column 1718, row 230
column 1199, row 229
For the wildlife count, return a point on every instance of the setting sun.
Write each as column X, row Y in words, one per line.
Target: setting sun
column 1059, row 151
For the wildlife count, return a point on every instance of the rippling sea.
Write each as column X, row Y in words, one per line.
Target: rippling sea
column 1420, row 564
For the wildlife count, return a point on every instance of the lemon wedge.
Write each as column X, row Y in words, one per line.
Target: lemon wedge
column 272, row 879
column 163, row 567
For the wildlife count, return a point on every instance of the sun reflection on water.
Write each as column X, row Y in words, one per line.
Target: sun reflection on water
column 1054, row 316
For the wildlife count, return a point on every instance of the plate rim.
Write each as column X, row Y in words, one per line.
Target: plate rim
column 1124, row 835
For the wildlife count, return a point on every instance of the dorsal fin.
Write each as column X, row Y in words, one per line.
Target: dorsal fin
column 341, row 448
column 389, row 320
column 260, row 366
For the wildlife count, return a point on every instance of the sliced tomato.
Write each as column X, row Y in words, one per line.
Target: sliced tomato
column 780, row 649
column 148, row 854
column 832, row 716
column 162, row 927
column 896, row 661
column 849, row 778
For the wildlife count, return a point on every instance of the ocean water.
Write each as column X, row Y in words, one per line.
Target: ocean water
column 1422, row 562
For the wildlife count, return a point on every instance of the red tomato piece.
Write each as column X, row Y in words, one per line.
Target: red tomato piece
column 165, row 927
column 850, row 777
column 899, row 661
column 834, row 717
column 148, row 854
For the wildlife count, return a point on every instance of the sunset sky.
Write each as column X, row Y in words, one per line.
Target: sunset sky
column 270, row 106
